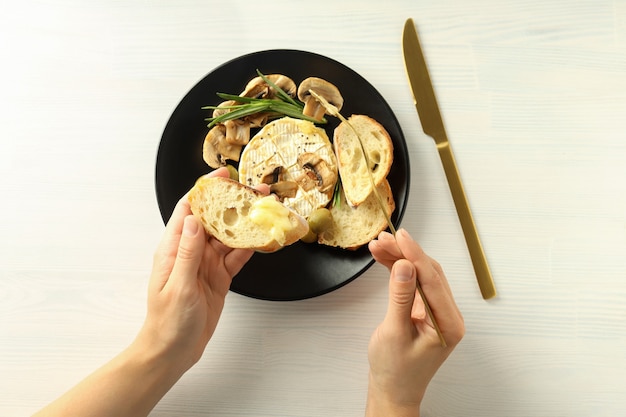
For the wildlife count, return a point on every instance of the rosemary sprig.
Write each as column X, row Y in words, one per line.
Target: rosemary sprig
column 337, row 194
column 279, row 91
column 236, row 112
column 284, row 104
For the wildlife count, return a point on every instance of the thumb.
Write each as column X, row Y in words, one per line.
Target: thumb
column 401, row 291
column 190, row 250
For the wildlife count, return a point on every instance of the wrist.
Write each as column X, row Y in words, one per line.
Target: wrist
column 383, row 402
column 158, row 357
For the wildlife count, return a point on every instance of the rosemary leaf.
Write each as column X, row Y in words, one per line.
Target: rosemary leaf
column 238, row 113
column 240, row 99
column 283, row 104
column 279, row 91
column 293, row 111
column 337, row 194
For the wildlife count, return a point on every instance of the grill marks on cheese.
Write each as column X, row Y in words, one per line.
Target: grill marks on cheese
column 280, row 143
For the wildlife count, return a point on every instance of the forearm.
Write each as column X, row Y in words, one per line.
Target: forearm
column 131, row 384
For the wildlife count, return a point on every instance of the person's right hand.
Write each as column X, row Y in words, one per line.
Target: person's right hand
column 405, row 351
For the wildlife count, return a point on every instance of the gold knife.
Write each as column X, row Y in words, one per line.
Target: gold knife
column 432, row 124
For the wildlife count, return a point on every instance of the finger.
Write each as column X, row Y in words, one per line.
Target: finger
column 401, row 294
column 220, row 172
column 165, row 254
column 174, row 226
column 419, row 309
column 433, row 284
column 413, row 252
column 190, row 252
column 263, row 188
column 380, row 255
column 183, row 208
column 385, row 250
column 234, row 259
column 173, row 229
column 439, row 270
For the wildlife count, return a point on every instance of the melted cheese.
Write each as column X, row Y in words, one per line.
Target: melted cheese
column 279, row 143
column 272, row 216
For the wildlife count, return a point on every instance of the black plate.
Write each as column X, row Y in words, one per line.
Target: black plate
column 301, row 270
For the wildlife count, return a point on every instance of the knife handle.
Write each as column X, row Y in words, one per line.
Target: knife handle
column 479, row 261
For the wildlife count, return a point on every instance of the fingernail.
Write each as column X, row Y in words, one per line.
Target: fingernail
column 403, row 271
column 190, row 226
column 404, row 234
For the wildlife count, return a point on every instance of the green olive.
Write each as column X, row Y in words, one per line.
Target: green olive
column 232, row 172
column 310, row 237
column 320, row 220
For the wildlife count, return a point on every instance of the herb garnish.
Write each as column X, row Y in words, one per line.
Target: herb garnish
column 282, row 105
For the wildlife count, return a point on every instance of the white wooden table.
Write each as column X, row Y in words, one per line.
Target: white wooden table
column 534, row 97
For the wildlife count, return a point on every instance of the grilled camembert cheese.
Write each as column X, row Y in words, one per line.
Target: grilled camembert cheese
column 296, row 159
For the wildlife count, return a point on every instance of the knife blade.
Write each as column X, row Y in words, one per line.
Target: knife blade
column 433, row 126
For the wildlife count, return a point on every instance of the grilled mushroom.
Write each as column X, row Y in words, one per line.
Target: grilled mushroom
column 237, row 131
column 324, row 89
column 317, row 172
column 271, row 174
column 222, row 108
column 258, row 88
column 216, row 150
column 284, row 189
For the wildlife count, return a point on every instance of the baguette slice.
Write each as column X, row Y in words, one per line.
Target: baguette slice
column 355, row 226
column 242, row 217
column 379, row 148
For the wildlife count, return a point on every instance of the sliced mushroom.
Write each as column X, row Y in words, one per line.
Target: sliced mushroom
column 317, row 172
column 222, row 108
column 284, row 189
column 237, row 131
column 307, row 181
column 258, row 119
column 258, row 88
column 216, row 150
column 271, row 174
column 324, row 89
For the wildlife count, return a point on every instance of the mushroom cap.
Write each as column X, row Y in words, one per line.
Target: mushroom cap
column 216, row 150
column 237, row 131
column 222, row 108
column 323, row 88
column 258, row 88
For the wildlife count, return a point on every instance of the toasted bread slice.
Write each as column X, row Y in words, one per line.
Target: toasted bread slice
column 352, row 170
column 353, row 227
column 242, row 217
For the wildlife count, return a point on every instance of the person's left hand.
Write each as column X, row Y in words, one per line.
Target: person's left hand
column 191, row 276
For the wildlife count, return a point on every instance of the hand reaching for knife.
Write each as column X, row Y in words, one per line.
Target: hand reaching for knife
column 405, row 351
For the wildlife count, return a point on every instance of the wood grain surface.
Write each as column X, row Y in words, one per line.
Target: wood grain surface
column 533, row 94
